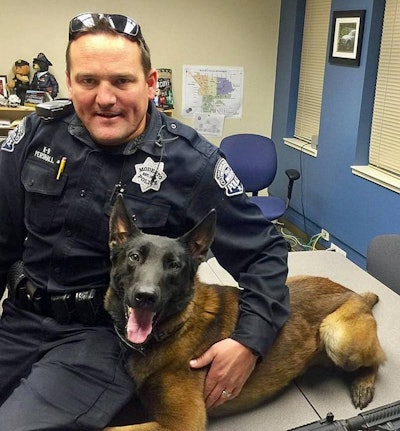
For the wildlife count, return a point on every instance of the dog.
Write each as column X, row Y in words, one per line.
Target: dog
column 166, row 316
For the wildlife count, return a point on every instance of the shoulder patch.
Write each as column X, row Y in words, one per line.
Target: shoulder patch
column 14, row 137
column 227, row 179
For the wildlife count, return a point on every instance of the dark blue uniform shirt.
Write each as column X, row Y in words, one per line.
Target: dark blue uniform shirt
column 170, row 179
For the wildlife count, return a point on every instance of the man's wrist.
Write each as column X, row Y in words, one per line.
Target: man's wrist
column 254, row 352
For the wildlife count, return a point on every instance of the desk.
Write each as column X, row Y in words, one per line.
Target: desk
column 325, row 390
column 12, row 114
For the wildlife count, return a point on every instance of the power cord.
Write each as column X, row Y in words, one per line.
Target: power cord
column 293, row 241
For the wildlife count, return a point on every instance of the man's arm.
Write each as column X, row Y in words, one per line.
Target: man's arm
column 251, row 249
column 255, row 254
column 12, row 228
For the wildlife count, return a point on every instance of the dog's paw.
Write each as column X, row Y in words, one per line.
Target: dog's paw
column 361, row 394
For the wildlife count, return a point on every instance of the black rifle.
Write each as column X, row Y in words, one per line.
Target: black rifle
column 385, row 418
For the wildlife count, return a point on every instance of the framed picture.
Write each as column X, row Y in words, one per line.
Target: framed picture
column 346, row 38
column 3, row 85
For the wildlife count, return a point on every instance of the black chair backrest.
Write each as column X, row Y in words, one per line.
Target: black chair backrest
column 383, row 260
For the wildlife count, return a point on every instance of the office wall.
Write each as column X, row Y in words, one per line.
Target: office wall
column 210, row 32
column 329, row 196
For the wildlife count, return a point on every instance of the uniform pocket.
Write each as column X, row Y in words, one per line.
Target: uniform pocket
column 149, row 215
column 43, row 192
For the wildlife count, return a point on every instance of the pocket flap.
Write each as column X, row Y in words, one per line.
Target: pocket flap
column 41, row 178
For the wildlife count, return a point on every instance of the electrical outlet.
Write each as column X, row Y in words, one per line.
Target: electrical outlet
column 324, row 234
column 334, row 247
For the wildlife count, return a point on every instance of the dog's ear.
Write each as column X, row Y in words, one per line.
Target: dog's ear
column 199, row 239
column 121, row 224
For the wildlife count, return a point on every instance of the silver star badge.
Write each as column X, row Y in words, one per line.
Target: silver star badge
column 149, row 175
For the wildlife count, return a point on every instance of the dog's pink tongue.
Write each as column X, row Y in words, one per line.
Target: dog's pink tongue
column 139, row 325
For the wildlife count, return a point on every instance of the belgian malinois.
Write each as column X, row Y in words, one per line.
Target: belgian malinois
column 168, row 317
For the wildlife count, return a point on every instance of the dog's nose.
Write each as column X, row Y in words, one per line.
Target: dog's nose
column 146, row 297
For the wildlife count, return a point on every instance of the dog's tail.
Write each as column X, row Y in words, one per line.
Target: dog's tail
column 350, row 334
column 370, row 298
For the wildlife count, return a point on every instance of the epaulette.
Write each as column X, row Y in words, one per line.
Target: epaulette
column 54, row 110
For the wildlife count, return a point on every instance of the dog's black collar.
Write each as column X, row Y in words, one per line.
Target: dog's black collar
column 138, row 347
column 154, row 338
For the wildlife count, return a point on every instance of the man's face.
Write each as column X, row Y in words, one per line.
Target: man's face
column 108, row 87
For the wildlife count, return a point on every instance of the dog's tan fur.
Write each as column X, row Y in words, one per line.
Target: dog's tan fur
column 328, row 324
column 336, row 323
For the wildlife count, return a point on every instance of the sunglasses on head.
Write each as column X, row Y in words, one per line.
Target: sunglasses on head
column 120, row 23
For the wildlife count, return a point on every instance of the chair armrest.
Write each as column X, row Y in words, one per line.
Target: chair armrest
column 293, row 175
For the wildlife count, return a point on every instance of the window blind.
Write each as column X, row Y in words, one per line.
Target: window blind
column 312, row 68
column 384, row 151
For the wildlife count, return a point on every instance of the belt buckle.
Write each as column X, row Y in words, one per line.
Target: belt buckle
column 88, row 303
column 62, row 307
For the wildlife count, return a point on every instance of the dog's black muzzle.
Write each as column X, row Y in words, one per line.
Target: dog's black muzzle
column 146, row 297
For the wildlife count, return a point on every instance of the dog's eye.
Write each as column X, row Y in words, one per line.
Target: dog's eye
column 134, row 257
column 174, row 265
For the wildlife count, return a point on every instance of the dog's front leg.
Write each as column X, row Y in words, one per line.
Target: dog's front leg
column 175, row 400
column 148, row 426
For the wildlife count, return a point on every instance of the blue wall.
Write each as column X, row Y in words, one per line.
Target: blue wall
column 329, row 196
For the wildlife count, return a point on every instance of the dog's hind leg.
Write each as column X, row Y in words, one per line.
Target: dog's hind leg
column 349, row 336
column 363, row 386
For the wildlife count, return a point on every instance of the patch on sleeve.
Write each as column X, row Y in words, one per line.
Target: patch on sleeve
column 14, row 137
column 227, row 179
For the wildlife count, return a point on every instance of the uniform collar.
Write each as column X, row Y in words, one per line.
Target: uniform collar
column 150, row 143
column 79, row 131
column 152, row 136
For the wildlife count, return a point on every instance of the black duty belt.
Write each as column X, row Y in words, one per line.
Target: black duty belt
column 84, row 307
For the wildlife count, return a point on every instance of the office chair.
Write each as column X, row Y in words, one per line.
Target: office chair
column 254, row 160
column 383, row 260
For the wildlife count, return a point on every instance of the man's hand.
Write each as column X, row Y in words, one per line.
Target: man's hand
column 232, row 364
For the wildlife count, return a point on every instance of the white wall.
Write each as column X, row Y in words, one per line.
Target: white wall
column 209, row 32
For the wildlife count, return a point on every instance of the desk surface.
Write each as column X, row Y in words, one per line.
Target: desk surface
column 326, row 391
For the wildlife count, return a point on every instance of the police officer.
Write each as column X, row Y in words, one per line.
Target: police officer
column 60, row 364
